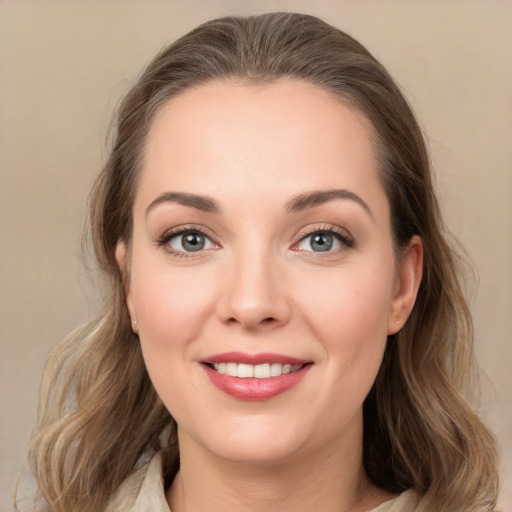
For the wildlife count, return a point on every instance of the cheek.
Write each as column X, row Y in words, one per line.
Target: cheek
column 170, row 299
column 352, row 302
column 349, row 315
column 172, row 309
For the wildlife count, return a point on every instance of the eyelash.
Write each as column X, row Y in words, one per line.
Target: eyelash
column 342, row 236
column 164, row 240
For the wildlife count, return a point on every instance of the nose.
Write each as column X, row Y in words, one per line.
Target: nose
column 254, row 294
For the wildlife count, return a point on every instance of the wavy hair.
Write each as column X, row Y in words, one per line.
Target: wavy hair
column 99, row 416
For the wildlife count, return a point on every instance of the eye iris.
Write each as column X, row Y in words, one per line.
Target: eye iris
column 193, row 242
column 321, row 242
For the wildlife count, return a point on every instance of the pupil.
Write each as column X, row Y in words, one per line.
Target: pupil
column 193, row 242
column 321, row 242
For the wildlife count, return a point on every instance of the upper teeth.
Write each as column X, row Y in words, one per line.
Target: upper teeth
column 259, row 371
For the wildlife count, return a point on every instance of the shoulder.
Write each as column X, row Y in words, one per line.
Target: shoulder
column 408, row 501
column 143, row 491
column 411, row 501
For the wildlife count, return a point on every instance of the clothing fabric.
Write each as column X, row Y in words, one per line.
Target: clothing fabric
column 144, row 492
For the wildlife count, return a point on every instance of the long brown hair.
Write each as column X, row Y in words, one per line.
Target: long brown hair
column 99, row 415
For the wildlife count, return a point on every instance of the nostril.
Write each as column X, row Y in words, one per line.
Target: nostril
column 263, row 321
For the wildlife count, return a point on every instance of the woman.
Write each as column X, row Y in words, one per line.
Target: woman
column 286, row 326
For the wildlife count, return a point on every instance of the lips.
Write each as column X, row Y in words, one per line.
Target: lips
column 254, row 376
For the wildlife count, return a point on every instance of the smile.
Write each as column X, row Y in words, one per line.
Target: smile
column 258, row 371
column 255, row 376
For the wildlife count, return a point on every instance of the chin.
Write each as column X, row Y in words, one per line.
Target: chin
column 255, row 441
column 261, row 454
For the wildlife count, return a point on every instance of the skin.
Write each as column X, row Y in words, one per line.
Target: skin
column 258, row 286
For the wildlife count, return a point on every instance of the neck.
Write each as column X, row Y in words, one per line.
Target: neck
column 328, row 480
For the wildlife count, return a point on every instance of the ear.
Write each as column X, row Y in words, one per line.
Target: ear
column 122, row 258
column 408, row 281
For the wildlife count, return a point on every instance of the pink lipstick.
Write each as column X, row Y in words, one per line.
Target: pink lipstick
column 254, row 376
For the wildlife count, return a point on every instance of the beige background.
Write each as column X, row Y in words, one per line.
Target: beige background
column 63, row 67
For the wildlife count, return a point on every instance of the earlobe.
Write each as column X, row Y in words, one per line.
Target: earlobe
column 122, row 261
column 409, row 276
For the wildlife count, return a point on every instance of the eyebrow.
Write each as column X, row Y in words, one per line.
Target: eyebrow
column 202, row 203
column 316, row 198
column 297, row 203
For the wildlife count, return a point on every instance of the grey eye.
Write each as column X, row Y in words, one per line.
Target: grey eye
column 321, row 242
column 191, row 241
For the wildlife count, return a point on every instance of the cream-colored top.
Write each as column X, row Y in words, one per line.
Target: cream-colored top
column 144, row 492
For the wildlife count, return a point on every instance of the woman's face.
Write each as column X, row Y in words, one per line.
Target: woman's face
column 261, row 272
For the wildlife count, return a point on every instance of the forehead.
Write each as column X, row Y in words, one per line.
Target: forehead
column 286, row 136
